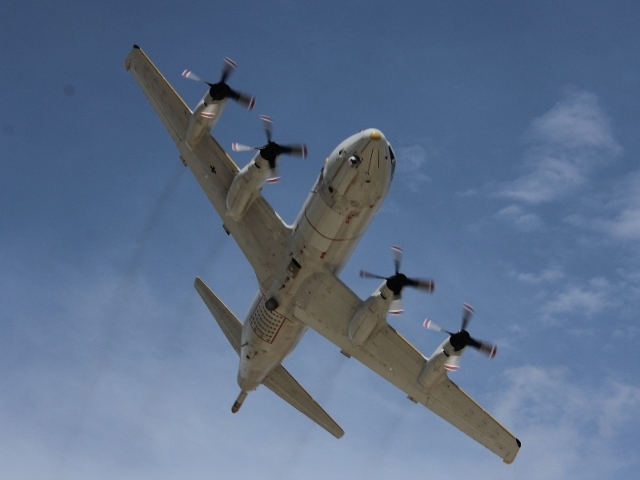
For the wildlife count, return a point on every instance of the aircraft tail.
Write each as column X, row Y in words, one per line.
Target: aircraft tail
column 279, row 380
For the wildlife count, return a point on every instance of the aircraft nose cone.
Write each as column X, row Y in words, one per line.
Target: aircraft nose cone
column 375, row 135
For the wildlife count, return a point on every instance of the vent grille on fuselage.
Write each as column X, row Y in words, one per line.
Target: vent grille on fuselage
column 265, row 323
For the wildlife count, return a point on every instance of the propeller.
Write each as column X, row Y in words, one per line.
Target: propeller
column 220, row 91
column 272, row 150
column 398, row 281
column 462, row 339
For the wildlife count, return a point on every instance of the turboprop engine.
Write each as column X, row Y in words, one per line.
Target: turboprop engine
column 262, row 169
column 447, row 356
column 210, row 108
column 387, row 299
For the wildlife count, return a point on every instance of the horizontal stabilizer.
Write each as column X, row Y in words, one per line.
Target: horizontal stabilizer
column 229, row 323
column 280, row 382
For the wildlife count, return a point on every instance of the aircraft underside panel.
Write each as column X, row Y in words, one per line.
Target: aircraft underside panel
column 265, row 323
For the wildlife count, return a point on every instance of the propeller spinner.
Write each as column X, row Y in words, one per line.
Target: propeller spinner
column 221, row 90
column 461, row 339
column 272, row 150
column 398, row 281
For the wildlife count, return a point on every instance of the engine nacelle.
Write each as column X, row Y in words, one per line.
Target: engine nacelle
column 371, row 313
column 201, row 121
column 246, row 186
column 434, row 370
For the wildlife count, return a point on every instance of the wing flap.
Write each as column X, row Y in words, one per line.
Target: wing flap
column 280, row 382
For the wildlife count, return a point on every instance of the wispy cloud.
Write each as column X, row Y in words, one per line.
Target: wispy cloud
column 409, row 164
column 568, row 430
column 566, row 144
column 624, row 221
column 586, row 300
column 549, row 275
column 515, row 215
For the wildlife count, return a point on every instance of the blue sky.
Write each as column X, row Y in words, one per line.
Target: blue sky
column 518, row 190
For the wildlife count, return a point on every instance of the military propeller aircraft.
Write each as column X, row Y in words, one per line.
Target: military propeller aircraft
column 297, row 266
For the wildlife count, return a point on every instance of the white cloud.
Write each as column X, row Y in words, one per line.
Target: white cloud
column 568, row 430
column 521, row 219
column 549, row 275
column 409, row 163
column 580, row 300
column 566, row 144
column 625, row 202
column 411, row 159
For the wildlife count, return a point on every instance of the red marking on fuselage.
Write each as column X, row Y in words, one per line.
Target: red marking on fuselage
column 353, row 214
column 324, row 236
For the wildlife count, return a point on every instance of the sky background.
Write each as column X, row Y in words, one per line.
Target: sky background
column 517, row 189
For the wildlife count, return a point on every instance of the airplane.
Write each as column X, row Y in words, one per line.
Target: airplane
column 297, row 268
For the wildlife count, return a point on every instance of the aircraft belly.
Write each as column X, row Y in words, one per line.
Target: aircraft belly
column 326, row 234
column 267, row 338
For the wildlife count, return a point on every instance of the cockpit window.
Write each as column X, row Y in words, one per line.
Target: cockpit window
column 393, row 161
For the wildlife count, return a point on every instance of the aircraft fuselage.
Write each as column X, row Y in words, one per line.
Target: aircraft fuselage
column 346, row 196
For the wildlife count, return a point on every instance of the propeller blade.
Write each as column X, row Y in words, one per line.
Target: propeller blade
column 487, row 349
column 267, row 122
column 227, row 69
column 274, row 176
column 397, row 257
column 238, row 147
column 424, row 284
column 192, row 76
column 295, row 150
column 243, row 99
column 453, row 363
column 467, row 313
column 365, row 274
column 395, row 307
column 428, row 324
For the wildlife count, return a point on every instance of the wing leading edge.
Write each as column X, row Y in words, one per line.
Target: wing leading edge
column 261, row 234
column 327, row 305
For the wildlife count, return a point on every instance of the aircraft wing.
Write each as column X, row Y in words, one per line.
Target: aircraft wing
column 327, row 305
column 261, row 234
